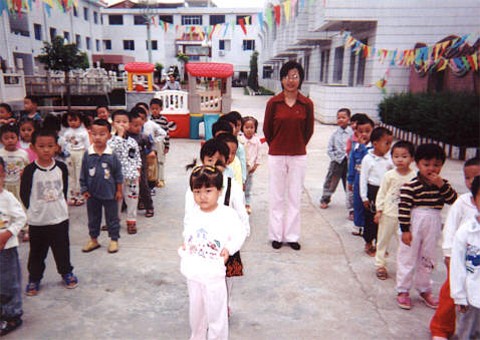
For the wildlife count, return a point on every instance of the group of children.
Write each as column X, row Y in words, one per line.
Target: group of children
column 385, row 198
column 101, row 161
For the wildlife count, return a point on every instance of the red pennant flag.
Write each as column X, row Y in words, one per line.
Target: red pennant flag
column 241, row 21
column 277, row 13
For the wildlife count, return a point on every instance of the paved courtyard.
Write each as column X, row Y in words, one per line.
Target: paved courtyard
column 328, row 290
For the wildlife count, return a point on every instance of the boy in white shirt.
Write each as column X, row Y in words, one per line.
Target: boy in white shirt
column 465, row 273
column 374, row 166
column 12, row 219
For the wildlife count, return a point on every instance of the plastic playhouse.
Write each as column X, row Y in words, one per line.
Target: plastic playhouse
column 209, row 95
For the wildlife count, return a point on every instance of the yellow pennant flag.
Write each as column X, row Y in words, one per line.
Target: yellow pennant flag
column 286, row 8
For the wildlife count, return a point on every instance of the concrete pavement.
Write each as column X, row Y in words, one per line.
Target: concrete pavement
column 328, row 290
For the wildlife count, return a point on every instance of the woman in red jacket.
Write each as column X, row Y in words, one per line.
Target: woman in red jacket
column 288, row 126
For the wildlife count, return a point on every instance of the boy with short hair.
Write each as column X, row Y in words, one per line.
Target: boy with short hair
column 386, row 203
column 421, row 202
column 127, row 151
column 101, row 185
column 338, row 167
column 442, row 325
column 163, row 143
column 15, row 158
column 12, row 219
column 145, row 146
column 43, row 190
column 374, row 166
column 102, row 112
column 30, row 105
column 359, row 150
column 465, row 272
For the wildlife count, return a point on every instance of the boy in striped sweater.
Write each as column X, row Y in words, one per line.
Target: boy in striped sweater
column 421, row 201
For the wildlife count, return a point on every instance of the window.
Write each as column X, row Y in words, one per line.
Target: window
column 306, row 66
column 88, row 42
column 53, row 33
column 97, row 45
column 85, row 13
column 78, row 40
column 37, row 29
column 129, row 45
column 95, row 18
column 107, row 44
column 154, row 44
column 116, row 19
column 224, row 45
column 249, row 45
column 139, row 20
column 19, row 25
column 267, row 72
column 338, row 65
column 244, row 17
column 191, row 20
column 166, row 18
column 66, row 36
column 325, row 59
column 217, row 19
column 75, row 12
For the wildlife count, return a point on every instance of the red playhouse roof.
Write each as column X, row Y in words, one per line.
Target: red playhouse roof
column 211, row 70
column 140, row 67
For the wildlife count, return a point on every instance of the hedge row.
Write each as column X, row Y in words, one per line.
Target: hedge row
column 452, row 118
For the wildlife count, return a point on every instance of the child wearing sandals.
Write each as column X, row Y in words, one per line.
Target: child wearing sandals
column 215, row 153
column 74, row 142
column 211, row 233
column 387, row 202
column 421, row 202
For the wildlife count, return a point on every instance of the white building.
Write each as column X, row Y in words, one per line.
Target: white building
column 335, row 75
column 118, row 35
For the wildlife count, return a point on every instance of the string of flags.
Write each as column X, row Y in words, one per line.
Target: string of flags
column 454, row 53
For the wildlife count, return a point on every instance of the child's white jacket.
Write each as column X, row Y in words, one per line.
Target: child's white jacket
column 465, row 264
column 205, row 234
column 462, row 210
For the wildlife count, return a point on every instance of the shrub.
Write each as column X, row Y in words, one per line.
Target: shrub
column 452, row 118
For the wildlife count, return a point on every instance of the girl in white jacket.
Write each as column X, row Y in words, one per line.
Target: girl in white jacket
column 465, row 273
column 211, row 234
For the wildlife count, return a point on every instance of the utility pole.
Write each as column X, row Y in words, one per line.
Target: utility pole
column 148, row 15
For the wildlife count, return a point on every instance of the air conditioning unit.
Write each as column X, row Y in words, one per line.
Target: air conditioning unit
column 221, row 53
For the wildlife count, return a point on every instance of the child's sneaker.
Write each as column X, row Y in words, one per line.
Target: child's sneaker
column 403, row 301
column 10, row 325
column 70, row 280
column 32, row 288
column 113, row 247
column 429, row 300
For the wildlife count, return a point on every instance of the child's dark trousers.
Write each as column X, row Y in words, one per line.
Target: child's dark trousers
column 41, row 239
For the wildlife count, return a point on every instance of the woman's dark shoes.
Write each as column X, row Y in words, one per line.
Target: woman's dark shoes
column 276, row 245
column 294, row 245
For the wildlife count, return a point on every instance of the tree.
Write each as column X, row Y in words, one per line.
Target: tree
column 183, row 59
column 59, row 56
column 253, row 76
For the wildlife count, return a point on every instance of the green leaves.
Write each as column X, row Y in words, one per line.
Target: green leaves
column 452, row 118
column 60, row 56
